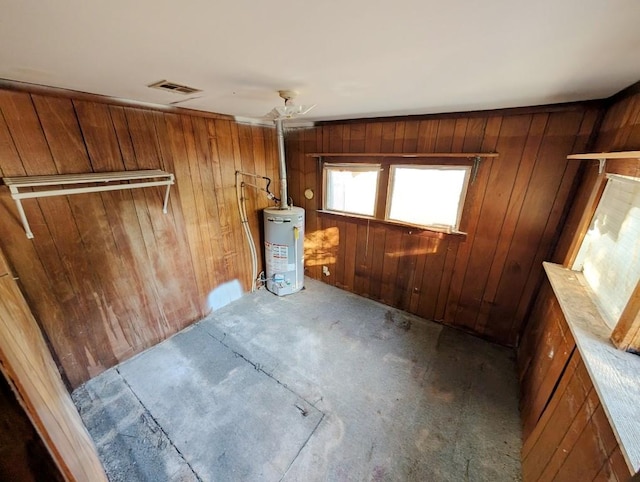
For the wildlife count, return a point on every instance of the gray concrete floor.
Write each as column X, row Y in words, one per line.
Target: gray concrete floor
column 319, row 385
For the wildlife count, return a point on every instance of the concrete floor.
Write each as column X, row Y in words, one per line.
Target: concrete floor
column 319, row 385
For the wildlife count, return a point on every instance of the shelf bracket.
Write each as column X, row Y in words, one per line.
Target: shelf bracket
column 476, row 167
column 23, row 216
column 601, row 164
column 602, row 157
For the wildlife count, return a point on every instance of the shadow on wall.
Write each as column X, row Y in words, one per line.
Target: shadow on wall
column 224, row 294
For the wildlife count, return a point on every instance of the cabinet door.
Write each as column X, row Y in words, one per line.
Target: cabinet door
column 27, row 364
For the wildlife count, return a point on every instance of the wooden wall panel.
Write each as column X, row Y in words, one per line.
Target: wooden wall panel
column 573, row 439
column 484, row 283
column 108, row 274
column 619, row 131
column 566, row 433
column 543, row 356
column 4, row 265
column 26, row 363
column 23, row 455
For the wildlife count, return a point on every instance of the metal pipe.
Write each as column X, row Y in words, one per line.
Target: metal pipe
column 247, row 231
column 284, row 199
column 254, row 186
column 244, row 173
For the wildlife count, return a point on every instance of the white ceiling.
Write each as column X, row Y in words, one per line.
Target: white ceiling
column 353, row 58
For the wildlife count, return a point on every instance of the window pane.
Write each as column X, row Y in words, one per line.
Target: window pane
column 351, row 189
column 610, row 253
column 427, row 196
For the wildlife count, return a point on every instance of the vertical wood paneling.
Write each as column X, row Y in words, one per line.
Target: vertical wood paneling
column 566, row 433
column 543, row 358
column 619, row 131
column 388, row 135
column 468, row 284
column 440, row 255
column 27, row 365
column 202, row 258
column 537, row 227
column 96, row 235
column 410, row 137
column 486, row 282
column 24, row 455
column 529, row 155
column 418, row 270
column 108, row 274
column 427, row 135
column 229, row 217
column 363, row 260
column 295, row 168
column 311, row 139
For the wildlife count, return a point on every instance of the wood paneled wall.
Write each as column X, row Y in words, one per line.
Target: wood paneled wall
column 26, row 363
column 484, row 283
column 547, row 345
column 566, row 433
column 107, row 274
column 23, row 455
column 565, row 430
column 620, row 131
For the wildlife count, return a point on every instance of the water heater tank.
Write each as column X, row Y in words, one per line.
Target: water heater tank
column 284, row 249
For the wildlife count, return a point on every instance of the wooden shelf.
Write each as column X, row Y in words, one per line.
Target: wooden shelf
column 605, row 155
column 404, row 154
column 146, row 178
column 475, row 156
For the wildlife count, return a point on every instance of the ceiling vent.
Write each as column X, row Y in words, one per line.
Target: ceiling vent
column 173, row 87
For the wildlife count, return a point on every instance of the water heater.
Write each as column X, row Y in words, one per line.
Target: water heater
column 284, row 249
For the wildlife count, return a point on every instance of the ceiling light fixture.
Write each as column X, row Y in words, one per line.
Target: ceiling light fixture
column 289, row 110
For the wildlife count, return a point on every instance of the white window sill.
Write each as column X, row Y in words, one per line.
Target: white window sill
column 615, row 374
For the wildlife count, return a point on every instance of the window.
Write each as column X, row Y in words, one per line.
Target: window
column 351, row 188
column 609, row 256
column 427, row 196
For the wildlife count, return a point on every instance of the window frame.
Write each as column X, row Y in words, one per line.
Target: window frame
column 364, row 167
column 626, row 334
column 602, row 301
column 463, row 195
column 383, row 194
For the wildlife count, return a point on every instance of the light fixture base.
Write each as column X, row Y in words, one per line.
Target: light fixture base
column 287, row 95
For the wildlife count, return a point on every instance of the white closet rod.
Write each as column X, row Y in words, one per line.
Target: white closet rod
column 146, row 176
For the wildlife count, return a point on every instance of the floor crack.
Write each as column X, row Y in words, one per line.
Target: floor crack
column 302, row 447
column 148, row 412
column 259, row 368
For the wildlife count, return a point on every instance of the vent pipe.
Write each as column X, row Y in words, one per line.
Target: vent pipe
column 278, row 114
column 284, row 196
